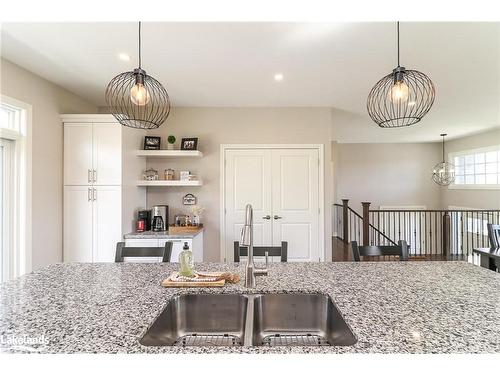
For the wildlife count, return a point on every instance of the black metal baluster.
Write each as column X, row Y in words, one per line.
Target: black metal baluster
column 378, row 226
column 466, row 231
column 415, row 231
column 462, row 233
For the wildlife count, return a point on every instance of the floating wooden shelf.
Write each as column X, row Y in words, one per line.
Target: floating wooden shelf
column 168, row 183
column 170, row 153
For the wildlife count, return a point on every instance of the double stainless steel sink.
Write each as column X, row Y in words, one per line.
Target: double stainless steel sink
column 249, row 320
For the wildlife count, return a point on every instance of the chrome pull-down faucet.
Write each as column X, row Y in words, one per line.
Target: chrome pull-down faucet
column 247, row 240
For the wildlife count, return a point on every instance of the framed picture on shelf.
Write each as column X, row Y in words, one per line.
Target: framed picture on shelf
column 189, row 200
column 152, row 143
column 189, row 144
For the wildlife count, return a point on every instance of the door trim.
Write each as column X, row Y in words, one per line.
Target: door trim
column 321, row 189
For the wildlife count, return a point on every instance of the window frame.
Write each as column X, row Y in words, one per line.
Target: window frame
column 451, row 159
column 21, row 245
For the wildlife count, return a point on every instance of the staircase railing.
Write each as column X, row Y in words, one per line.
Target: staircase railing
column 429, row 233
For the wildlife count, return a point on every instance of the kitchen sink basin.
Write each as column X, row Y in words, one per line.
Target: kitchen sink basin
column 298, row 320
column 250, row 320
column 200, row 320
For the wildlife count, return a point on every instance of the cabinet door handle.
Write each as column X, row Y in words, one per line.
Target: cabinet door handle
column 89, row 177
column 267, row 217
column 94, row 194
column 276, row 217
column 94, row 175
column 89, row 194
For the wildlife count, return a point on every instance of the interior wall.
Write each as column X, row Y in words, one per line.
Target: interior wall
column 216, row 126
column 391, row 174
column 48, row 101
column 473, row 198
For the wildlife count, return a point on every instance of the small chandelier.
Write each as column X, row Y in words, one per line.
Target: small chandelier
column 136, row 99
column 401, row 98
column 443, row 173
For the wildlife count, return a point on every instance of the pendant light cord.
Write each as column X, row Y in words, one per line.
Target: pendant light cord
column 139, row 44
column 398, row 39
column 443, row 148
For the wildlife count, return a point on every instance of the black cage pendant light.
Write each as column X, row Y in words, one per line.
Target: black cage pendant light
column 443, row 173
column 136, row 99
column 401, row 98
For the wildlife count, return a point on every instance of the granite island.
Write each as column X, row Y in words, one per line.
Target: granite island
column 392, row 307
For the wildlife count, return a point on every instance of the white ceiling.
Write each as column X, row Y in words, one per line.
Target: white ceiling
column 233, row 64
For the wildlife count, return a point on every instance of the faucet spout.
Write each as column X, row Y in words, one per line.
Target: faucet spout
column 247, row 241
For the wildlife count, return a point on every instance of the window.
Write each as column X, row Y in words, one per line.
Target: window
column 15, row 189
column 478, row 168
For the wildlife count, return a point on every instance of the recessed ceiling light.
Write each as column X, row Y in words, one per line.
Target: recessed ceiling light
column 278, row 77
column 124, row 57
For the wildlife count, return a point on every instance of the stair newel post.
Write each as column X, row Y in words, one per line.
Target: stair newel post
column 345, row 220
column 366, row 223
column 446, row 233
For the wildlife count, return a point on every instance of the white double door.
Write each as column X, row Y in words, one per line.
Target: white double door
column 282, row 185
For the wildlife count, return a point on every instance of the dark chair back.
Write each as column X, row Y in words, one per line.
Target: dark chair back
column 494, row 235
column 400, row 250
column 260, row 251
column 143, row 252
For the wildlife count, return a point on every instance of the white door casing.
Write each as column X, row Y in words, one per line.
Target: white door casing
column 77, row 154
column 107, row 156
column 282, row 181
column 77, row 224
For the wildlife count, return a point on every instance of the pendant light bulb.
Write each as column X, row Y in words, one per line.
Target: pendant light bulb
column 139, row 95
column 399, row 92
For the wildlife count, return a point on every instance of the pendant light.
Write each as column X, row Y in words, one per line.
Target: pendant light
column 443, row 173
column 136, row 99
column 401, row 98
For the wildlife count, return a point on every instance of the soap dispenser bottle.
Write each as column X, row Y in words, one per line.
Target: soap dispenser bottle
column 186, row 261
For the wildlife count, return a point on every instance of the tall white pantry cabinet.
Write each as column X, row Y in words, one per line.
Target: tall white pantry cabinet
column 100, row 195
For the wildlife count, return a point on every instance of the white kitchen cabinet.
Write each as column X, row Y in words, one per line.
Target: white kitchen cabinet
column 106, row 154
column 92, row 224
column 78, row 224
column 92, row 153
column 107, row 227
column 177, row 245
column 100, row 197
column 195, row 245
column 78, row 154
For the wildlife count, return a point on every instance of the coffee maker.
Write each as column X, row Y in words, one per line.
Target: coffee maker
column 159, row 222
column 144, row 220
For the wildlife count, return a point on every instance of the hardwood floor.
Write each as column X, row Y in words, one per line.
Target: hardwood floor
column 341, row 252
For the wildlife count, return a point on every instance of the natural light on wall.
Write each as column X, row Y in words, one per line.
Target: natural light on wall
column 15, row 188
column 479, row 168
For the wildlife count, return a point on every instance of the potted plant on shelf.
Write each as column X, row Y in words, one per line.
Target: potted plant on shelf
column 196, row 211
column 171, row 141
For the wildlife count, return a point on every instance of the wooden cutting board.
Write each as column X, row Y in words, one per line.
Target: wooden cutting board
column 169, row 283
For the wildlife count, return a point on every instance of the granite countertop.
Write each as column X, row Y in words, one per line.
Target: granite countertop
column 149, row 234
column 392, row 307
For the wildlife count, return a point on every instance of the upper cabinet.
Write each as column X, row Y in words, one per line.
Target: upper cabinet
column 92, row 154
column 107, row 154
column 78, row 154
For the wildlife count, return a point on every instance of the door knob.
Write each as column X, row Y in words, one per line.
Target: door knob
column 267, row 217
column 276, row 217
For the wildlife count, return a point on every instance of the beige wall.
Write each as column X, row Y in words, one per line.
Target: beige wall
column 391, row 174
column 471, row 198
column 48, row 101
column 216, row 126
